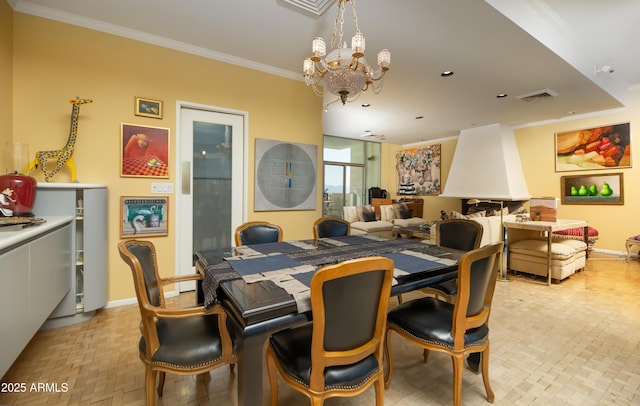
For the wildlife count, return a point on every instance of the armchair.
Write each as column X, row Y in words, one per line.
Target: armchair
column 181, row 341
column 318, row 358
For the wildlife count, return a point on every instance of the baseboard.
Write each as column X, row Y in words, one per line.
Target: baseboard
column 133, row 300
column 613, row 253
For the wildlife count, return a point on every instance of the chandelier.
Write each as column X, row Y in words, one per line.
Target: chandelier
column 344, row 71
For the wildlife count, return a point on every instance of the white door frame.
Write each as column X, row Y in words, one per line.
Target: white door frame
column 180, row 104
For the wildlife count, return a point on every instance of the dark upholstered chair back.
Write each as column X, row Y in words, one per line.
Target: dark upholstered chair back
column 377, row 193
column 351, row 305
column 258, row 232
column 145, row 254
column 481, row 273
column 352, row 296
column 459, row 234
column 331, row 227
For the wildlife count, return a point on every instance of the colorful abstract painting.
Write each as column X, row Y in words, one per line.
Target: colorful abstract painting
column 418, row 171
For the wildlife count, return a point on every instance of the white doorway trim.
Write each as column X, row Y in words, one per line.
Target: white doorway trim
column 179, row 267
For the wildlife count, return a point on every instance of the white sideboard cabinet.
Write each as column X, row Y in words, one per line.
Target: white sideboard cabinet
column 87, row 203
column 34, row 277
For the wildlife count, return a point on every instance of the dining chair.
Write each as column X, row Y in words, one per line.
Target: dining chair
column 187, row 341
column 459, row 234
column 339, row 353
column 258, row 232
column 457, row 329
column 331, row 227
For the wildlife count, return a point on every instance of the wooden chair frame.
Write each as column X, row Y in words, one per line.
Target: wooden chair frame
column 151, row 312
column 460, row 323
column 250, row 224
column 320, row 357
column 331, row 218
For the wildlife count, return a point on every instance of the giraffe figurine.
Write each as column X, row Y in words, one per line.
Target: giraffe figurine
column 64, row 155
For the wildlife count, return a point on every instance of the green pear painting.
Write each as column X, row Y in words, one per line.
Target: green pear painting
column 593, row 189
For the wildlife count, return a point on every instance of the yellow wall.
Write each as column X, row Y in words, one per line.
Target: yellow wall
column 536, row 145
column 537, row 152
column 432, row 204
column 6, row 81
column 54, row 62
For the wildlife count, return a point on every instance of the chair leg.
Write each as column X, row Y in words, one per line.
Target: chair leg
column 387, row 355
column 149, row 386
column 458, row 367
column 378, row 386
column 161, row 383
column 273, row 379
column 485, row 375
column 425, row 355
column 232, row 368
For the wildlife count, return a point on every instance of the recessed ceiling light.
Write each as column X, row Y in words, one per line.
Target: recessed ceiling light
column 446, row 73
column 501, row 95
column 366, row 105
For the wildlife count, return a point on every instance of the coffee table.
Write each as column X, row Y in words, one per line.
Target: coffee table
column 412, row 232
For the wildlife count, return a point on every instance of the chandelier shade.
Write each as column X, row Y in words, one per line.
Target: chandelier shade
column 344, row 71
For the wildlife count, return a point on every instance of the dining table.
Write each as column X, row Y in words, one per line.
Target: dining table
column 264, row 288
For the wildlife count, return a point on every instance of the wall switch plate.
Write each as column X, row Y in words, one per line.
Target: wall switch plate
column 161, row 188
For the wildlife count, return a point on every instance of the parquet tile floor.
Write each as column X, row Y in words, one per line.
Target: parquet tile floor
column 573, row 343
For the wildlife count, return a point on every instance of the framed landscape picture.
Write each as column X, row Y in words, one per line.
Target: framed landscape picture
column 606, row 147
column 148, row 108
column 593, row 189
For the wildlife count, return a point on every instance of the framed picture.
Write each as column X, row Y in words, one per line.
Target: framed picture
column 606, row 147
column 592, row 189
column 144, row 151
column 285, row 175
column 144, row 216
column 418, row 171
column 148, row 108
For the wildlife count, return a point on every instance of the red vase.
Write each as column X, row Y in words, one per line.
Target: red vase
column 19, row 193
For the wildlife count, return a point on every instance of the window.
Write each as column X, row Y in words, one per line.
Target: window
column 350, row 168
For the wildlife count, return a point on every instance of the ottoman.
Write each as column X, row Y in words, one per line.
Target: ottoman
column 530, row 256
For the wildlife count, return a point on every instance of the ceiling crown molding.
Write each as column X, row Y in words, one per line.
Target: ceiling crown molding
column 317, row 7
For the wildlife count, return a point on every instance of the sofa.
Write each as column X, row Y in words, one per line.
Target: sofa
column 530, row 256
column 362, row 220
column 392, row 214
column 491, row 230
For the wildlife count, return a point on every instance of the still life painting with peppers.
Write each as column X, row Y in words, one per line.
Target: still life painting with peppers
column 594, row 148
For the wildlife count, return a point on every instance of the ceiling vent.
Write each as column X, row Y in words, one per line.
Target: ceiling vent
column 538, row 95
column 317, row 7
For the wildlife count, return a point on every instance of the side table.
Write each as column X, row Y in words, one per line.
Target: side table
column 517, row 231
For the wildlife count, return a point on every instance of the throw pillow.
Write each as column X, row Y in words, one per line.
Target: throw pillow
column 458, row 215
column 369, row 216
column 369, row 210
column 496, row 212
column 400, row 210
column 405, row 213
